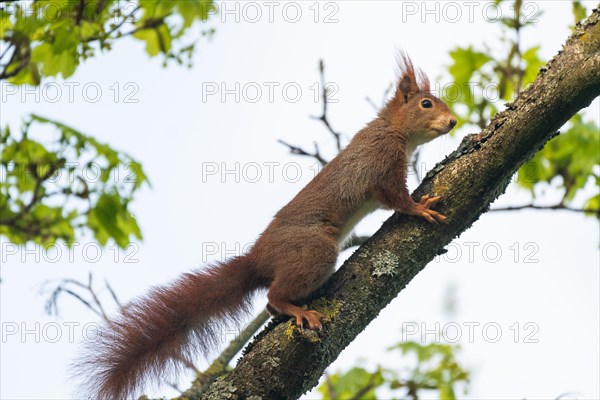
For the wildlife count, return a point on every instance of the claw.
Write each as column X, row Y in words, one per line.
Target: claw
column 429, row 201
column 299, row 322
column 423, row 209
column 427, row 216
column 437, row 216
column 313, row 319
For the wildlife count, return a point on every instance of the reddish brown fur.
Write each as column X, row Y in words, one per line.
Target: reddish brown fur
column 153, row 334
column 293, row 257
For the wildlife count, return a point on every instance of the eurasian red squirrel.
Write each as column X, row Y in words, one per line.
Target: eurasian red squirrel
column 292, row 258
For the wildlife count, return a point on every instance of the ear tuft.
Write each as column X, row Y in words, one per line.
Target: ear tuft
column 410, row 82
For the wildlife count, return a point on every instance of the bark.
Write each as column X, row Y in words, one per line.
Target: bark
column 283, row 362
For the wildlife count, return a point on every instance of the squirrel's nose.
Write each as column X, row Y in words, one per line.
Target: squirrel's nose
column 453, row 122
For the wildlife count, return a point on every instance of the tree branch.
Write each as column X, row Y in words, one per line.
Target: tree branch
column 284, row 362
column 219, row 366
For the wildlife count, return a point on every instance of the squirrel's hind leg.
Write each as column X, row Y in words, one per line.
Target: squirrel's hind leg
column 297, row 277
column 313, row 318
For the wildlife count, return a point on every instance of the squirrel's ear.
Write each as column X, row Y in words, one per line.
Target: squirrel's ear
column 407, row 87
column 407, row 83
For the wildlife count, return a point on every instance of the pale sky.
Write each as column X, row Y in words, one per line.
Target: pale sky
column 531, row 276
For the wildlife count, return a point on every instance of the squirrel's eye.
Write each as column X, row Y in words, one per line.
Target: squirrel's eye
column 426, row 104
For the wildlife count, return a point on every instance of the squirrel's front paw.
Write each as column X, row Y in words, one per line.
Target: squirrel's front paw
column 423, row 209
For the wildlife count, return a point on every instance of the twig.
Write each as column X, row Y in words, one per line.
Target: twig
column 24, row 62
column 371, row 103
column 79, row 12
column 566, row 394
column 95, row 305
column 148, row 24
column 10, row 45
column 112, row 293
column 386, row 92
column 115, row 27
column 95, row 298
column 323, row 118
column 37, row 195
column 301, row 152
column 554, row 207
column 51, row 305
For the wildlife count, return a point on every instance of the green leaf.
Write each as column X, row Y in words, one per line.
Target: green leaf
column 53, row 38
column 65, row 39
column 571, row 157
column 100, row 233
column 137, row 175
column 446, row 392
column 436, row 367
column 593, row 205
column 6, row 23
column 99, row 205
column 347, row 385
column 89, row 30
column 107, row 213
column 150, row 36
column 194, row 9
column 164, row 38
column 29, row 75
column 466, row 62
column 532, row 64
column 579, row 11
column 54, row 63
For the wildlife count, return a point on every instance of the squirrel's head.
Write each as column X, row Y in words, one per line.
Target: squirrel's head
column 414, row 111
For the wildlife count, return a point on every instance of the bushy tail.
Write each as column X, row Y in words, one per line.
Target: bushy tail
column 153, row 334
